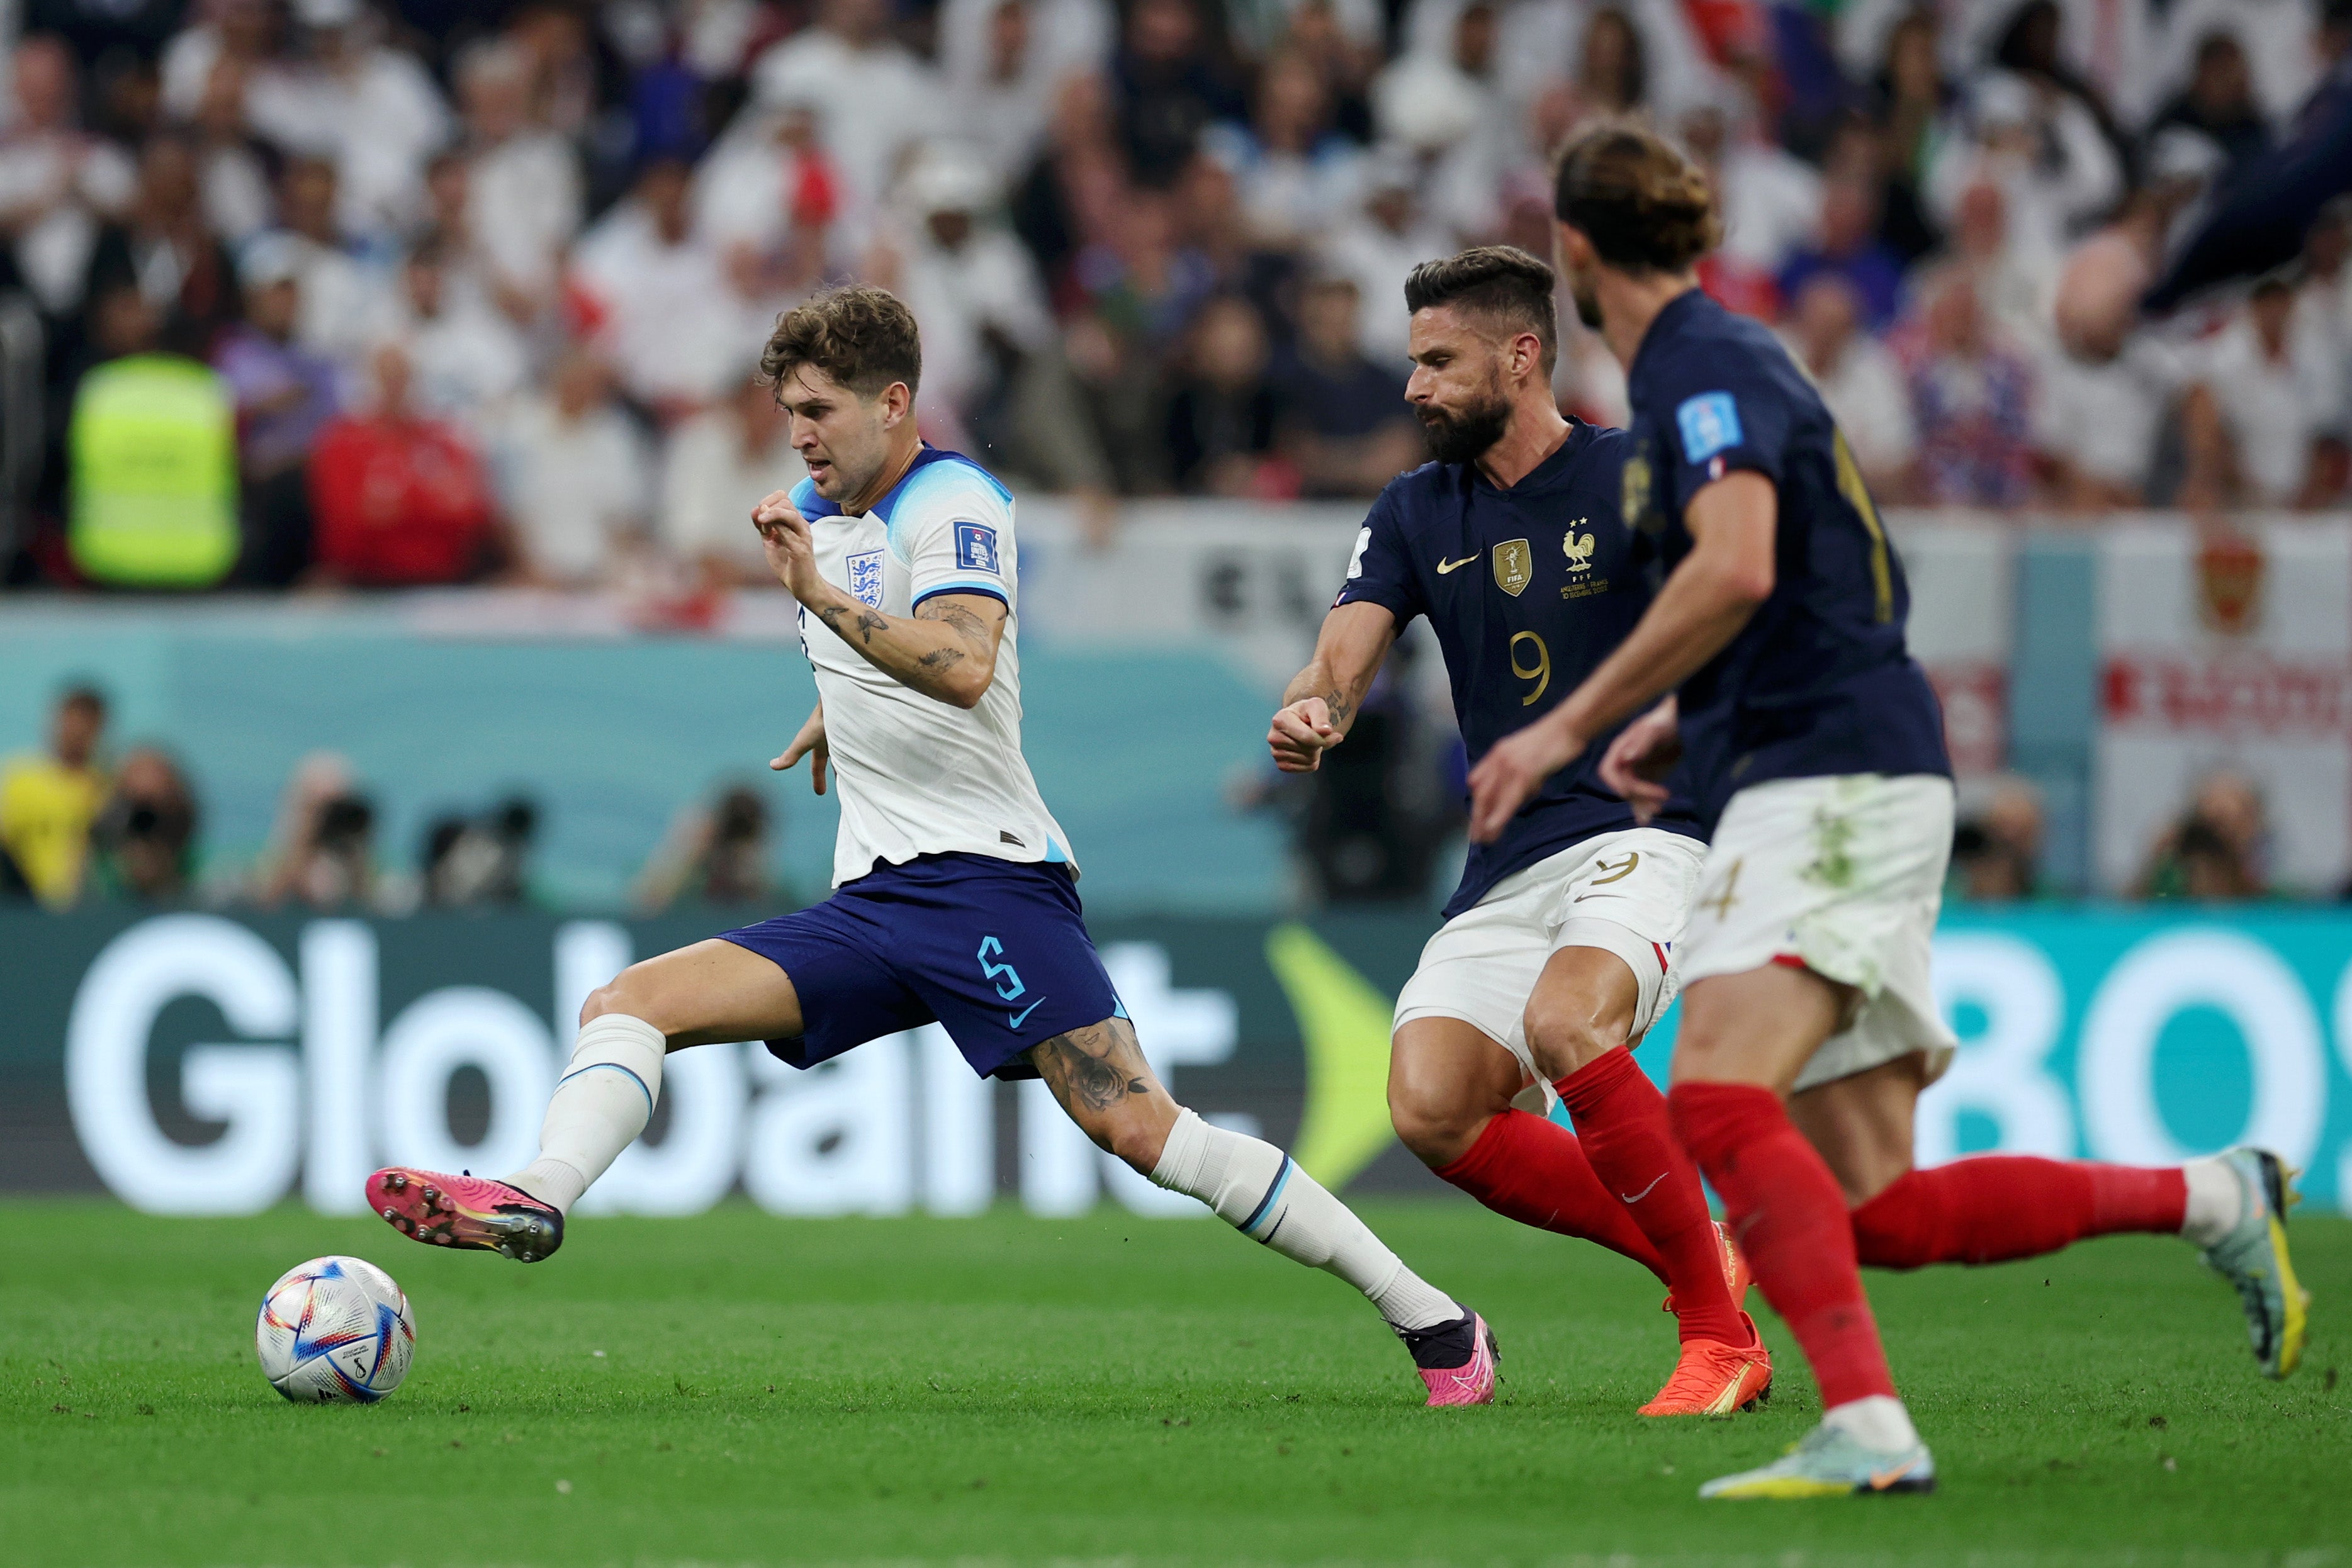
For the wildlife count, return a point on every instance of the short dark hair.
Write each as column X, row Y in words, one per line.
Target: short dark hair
column 861, row 337
column 1644, row 206
column 84, row 695
column 1500, row 282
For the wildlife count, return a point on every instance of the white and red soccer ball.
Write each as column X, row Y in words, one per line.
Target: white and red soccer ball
column 335, row 1331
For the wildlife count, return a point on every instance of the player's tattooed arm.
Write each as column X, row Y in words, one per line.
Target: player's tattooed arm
column 1322, row 700
column 945, row 649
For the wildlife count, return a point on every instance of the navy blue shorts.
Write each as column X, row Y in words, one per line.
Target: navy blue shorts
column 995, row 950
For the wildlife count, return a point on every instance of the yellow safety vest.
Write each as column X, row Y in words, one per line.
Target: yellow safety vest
column 154, row 444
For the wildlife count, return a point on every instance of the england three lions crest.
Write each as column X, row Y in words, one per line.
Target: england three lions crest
column 865, row 578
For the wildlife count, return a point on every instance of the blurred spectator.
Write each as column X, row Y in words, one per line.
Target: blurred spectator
column 232, row 178
column 397, row 498
column 146, row 837
column 2262, row 418
column 48, row 799
column 717, row 466
column 884, row 99
column 1859, row 380
column 2273, row 37
column 1297, row 175
column 1220, row 418
column 1971, row 399
column 973, row 289
column 347, row 304
column 1004, row 60
column 523, row 179
column 153, row 481
column 1379, row 247
column 1913, row 114
column 370, row 108
column 2218, row 848
column 59, row 184
column 2218, row 101
column 1342, row 420
column 1997, row 847
column 1170, row 82
column 573, row 470
column 657, row 298
column 1848, row 248
column 2044, row 153
column 467, row 358
column 321, row 851
column 1771, row 200
column 162, row 247
column 768, row 198
column 285, row 394
column 717, row 853
column 474, row 863
column 1441, row 105
column 2015, row 286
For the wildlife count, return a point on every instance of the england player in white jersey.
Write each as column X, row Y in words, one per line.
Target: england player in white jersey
column 954, row 898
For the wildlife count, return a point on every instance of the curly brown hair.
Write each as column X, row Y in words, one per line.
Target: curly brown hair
column 861, row 337
column 1644, row 206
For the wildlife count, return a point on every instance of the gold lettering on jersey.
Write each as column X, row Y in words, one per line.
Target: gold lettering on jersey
column 1578, row 549
column 1585, row 590
column 1515, row 567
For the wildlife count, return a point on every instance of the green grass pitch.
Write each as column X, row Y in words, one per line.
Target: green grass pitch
column 739, row 1389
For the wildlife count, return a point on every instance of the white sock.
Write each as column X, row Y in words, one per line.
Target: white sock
column 1261, row 1192
column 2217, row 1201
column 604, row 1103
column 1877, row 1420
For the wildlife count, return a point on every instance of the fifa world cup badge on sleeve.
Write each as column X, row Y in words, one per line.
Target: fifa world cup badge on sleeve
column 976, row 547
column 1709, row 423
column 865, row 578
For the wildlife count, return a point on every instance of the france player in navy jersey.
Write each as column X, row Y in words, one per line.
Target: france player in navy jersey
column 1554, row 953
column 1812, row 746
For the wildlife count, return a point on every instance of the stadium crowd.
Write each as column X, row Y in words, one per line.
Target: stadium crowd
column 417, row 291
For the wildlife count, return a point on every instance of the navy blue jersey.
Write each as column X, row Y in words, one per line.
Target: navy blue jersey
column 1527, row 589
column 1819, row 680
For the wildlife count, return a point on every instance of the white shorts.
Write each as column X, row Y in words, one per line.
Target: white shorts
column 1844, row 875
column 1624, row 893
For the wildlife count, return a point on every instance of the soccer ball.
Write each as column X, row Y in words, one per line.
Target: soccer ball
column 335, row 1331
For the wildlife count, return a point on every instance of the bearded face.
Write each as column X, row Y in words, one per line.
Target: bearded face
column 1462, row 433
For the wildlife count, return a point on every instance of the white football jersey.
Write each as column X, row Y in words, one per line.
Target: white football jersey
column 918, row 775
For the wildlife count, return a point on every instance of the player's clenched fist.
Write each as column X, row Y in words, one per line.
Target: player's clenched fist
column 790, row 549
column 1301, row 733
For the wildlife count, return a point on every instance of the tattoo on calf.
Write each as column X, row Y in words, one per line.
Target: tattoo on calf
column 1096, row 1067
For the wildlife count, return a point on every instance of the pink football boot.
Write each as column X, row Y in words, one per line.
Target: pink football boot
column 1457, row 1360
column 466, row 1211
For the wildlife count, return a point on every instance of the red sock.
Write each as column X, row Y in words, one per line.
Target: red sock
column 1533, row 1171
column 1786, row 1211
column 1620, row 1120
column 1994, row 1207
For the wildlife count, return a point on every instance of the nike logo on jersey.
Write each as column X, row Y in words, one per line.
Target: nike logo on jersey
column 1445, row 566
column 1624, row 1198
column 1032, row 1008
